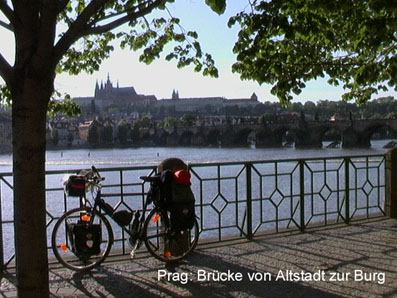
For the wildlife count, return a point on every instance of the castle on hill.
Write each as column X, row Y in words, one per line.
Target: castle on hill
column 107, row 95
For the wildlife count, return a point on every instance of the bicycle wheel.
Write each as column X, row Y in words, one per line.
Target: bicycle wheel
column 62, row 244
column 165, row 244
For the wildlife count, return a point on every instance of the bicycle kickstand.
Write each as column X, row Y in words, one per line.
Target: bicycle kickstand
column 132, row 253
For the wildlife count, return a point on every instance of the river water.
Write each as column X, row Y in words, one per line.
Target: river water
column 82, row 158
column 221, row 210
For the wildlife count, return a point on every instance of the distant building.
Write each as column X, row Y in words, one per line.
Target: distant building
column 83, row 130
column 106, row 95
column 192, row 104
column 63, row 132
column 243, row 102
column 209, row 104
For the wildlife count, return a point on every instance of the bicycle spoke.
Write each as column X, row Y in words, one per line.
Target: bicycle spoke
column 165, row 244
column 69, row 253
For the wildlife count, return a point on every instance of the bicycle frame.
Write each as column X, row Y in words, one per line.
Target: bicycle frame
column 96, row 208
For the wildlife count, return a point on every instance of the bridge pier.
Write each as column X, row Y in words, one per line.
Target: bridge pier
column 268, row 138
column 354, row 139
column 308, row 139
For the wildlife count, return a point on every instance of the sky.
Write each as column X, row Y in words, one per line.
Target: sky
column 161, row 77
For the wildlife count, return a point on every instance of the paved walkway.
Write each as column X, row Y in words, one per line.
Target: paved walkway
column 363, row 250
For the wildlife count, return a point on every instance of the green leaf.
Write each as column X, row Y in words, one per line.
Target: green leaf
column 218, row 6
column 66, row 107
column 192, row 34
column 5, row 96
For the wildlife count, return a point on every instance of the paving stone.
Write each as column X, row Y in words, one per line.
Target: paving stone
column 369, row 247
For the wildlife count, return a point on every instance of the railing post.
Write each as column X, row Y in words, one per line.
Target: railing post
column 391, row 183
column 248, row 168
column 302, row 194
column 1, row 236
column 347, row 190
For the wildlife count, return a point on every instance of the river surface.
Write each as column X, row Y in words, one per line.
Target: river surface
column 82, row 158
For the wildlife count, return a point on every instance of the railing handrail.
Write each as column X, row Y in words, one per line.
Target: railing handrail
column 212, row 163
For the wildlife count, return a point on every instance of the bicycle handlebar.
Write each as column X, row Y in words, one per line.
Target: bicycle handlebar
column 94, row 175
column 150, row 178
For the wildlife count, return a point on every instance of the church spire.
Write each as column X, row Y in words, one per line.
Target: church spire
column 96, row 88
column 175, row 94
column 108, row 84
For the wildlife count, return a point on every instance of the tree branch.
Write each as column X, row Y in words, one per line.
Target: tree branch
column 5, row 69
column 81, row 28
column 9, row 27
column 62, row 5
column 129, row 17
column 76, row 28
column 6, row 10
column 48, row 19
column 109, row 16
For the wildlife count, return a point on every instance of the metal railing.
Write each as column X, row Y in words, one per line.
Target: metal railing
column 233, row 199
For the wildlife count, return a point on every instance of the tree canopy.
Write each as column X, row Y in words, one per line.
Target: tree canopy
column 287, row 43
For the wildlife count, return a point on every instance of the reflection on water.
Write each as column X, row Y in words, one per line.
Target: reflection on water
column 82, row 158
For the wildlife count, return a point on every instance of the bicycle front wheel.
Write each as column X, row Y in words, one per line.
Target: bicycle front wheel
column 164, row 243
column 67, row 250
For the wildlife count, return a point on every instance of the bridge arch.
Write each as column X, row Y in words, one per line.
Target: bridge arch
column 331, row 137
column 198, row 139
column 379, row 131
column 213, row 137
column 352, row 138
column 266, row 137
column 240, row 137
column 287, row 136
column 161, row 137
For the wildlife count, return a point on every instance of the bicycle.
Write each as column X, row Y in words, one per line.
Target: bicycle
column 88, row 250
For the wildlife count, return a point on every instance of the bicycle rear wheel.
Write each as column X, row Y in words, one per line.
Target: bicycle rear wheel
column 165, row 244
column 62, row 245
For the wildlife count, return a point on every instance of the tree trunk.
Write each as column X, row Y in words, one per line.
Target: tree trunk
column 30, row 100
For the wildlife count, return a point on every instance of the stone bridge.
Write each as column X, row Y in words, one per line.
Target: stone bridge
column 305, row 134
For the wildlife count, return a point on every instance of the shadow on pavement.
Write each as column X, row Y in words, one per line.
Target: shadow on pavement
column 124, row 282
column 244, row 288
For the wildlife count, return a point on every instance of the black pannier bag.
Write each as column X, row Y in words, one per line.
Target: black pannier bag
column 179, row 199
column 182, row 208
column 122, row 217
column 75, row 186
column 85, row 239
